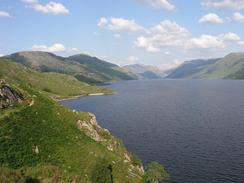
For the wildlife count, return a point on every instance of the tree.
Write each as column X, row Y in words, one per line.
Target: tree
column 155, row 173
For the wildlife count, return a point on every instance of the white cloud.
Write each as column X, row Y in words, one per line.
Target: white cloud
column 4, row 14
column 211, row 18
column 165, row 34
column 147, row 44
column 119, row 24
column 170, row 35
column 159, row 4
column 206, row 42
column 1, row 55
column 238, row 17
column 57, row 47
column 51, row 7
column 132, row 59
column 227, row 4
column 230, row 36
column 241, row 43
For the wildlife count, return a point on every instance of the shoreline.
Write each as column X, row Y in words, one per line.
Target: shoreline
column 83, row 95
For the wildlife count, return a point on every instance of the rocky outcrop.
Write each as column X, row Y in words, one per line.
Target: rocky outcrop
column 8, row 95
column 97, row 133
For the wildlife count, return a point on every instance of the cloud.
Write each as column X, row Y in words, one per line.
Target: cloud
column 170, row 35
column 147, row 44
column 206, row 42
column 159, row 4
column 51, row 7
column 4, row 14
column 57, row 47
column 211, row 18
column 132, row 59
column 224, row 4
column 241, row 43
column 1, row 55
column 119, row 24
column 238, row 17
column 165, row 34
column 230, row 36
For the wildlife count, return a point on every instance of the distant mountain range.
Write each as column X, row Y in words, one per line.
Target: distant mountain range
column 229, row 67
column 145, row 71
column 83, row 67
column 93, row 70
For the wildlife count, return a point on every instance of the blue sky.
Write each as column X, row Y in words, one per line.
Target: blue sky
column 156, row 32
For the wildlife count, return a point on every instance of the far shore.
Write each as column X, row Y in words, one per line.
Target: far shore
column 83, row 95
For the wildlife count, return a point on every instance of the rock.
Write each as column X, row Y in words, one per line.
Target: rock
column 90, row 128
column 8, row 95
column 97, row 133
column 2, row 81
column 35, row 149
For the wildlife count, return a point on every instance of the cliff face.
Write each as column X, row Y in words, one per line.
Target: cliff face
column 8, row 95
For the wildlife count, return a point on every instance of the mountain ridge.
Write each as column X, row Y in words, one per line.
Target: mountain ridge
column 229, row 67
column 86, row 68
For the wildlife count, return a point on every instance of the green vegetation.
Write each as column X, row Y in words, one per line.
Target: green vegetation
column 102, row 172
column 155, row 173
column 45, row 134
column 54, row 84
column 84, row 68
column 229, row 67
column 43, row 142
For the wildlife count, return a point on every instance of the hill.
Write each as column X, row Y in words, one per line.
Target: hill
column 42, row 141
column 87, row 69
column 229, row 67
column 110, row 72
column 54, row 84
column 145, row 71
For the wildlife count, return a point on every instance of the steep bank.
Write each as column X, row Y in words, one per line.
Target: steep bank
column 42, row 140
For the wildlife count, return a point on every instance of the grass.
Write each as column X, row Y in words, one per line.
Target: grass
column 65, row 152
column 42, row 143
column 54, row 84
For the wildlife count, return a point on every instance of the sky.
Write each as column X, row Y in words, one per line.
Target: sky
column 164, row 33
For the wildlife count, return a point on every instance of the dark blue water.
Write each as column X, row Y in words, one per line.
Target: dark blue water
column 194, row 128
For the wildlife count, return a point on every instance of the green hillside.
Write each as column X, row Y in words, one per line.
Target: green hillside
column 43, row 142
column 229, row 67
column 54, row 84
column 87, row 69
column 110, row 71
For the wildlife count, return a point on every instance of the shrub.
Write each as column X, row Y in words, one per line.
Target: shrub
column 155, row 173
column 102, row 172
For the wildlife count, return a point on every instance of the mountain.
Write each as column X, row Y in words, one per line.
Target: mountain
column 229, row 67
column 110, row 71
column 145, row 71
column 83, row 67
column 190, row 69
column 42, row 141
column 54, row 84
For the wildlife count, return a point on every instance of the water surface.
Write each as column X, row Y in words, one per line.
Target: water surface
column 195, row 128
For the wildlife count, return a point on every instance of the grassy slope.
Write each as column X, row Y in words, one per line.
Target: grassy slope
column 66, row 154
column 64, row 150
column 225, row 68
column 54, row 84
column 91, row 73
column 109, row 70
column 229, row 67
